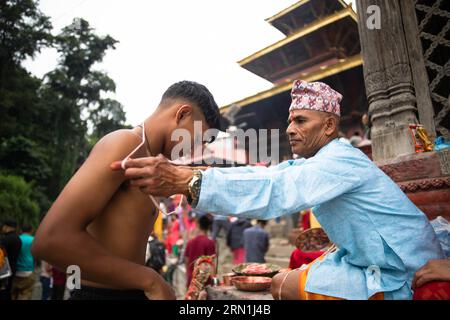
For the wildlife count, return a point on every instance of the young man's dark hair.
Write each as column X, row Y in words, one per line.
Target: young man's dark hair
column 200, row 96
column 204, row 222
column 262, row 222
column 27, row 228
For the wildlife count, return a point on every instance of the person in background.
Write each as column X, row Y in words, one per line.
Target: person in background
column 299, row 258
column 256, row 242
column 235, row 239
column 174, row 233
column 156, row 254
column 367, row 126
column 356, row 139
column 158, row 227
column 46, row 279
column 343, row 138
column 295, row 220
column 183, row 216
column 59, row 284
column 220, row 223
column 305, row 220
column 25, row 278
column 199, row 246
column 11, row 243
column 191, row 226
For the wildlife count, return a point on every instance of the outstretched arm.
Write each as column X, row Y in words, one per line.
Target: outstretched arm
column 260, row 194
column 269, row 194
column 62, row 239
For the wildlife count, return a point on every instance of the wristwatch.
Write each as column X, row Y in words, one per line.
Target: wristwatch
column 194, row 188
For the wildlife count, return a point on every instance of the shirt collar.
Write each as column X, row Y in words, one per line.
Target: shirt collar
column 328, row 145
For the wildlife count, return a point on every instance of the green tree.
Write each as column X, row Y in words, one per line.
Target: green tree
column 107, row 118
column 16, row 201
column 24, row 31
column 75, row 90
column 47, row 126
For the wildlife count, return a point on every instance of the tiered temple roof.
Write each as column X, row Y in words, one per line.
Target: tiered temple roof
column 321, row 43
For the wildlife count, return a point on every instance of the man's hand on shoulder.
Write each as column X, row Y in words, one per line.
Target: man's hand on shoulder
column 156, row 176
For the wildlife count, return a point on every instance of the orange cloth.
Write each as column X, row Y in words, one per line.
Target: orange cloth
column 304, row 295
column 158, row 227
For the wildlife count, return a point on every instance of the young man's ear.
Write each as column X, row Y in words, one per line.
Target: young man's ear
column 183, row 112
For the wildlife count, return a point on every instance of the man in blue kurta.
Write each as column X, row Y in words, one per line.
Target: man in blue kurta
column 382, row 238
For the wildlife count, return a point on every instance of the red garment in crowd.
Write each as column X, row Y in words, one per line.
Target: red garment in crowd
column 199, row 246
column 299, row 258
column 185, row 215
column 306, row 220
column 190, row 228
column 173, row 236
column 437, row 290
column 238, row 255
column 59, row 277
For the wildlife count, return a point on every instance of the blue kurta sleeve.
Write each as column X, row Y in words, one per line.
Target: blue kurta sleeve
column 267, row 193
column 252, row 169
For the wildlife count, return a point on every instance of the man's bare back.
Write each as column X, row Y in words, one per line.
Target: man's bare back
column 117, row 218
column 126, row 222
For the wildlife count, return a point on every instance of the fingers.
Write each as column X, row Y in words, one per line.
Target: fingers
column 423, row 275
column 414, row 282
column 138, row 162
column 428, row 277
column 146, row 182
column 138, row 173
column 419, row 274
column 144, row 162
column 116, row 166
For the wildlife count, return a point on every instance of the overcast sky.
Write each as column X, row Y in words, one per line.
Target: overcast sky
column 165, row 41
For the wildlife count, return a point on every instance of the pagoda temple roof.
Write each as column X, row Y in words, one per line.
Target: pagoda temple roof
column 320, row 43
column 325, row 71
column 303, row 13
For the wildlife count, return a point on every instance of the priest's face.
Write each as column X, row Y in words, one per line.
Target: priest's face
column 309, row 131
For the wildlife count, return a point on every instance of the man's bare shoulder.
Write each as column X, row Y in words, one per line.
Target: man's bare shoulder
column 117, row 143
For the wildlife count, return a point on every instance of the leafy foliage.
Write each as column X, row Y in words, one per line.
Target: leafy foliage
column 16, row 200
column 48, row 126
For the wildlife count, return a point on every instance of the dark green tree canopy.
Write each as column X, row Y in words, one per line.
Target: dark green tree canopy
column 49, row 125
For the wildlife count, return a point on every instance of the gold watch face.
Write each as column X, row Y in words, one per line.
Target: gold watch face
column 193, row 181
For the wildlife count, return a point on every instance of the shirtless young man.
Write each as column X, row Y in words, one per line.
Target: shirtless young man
column 101, row 223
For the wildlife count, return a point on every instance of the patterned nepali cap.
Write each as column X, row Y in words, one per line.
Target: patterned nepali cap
column 315, row 96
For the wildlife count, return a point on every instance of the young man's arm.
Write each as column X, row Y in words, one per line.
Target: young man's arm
column 62, row 239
